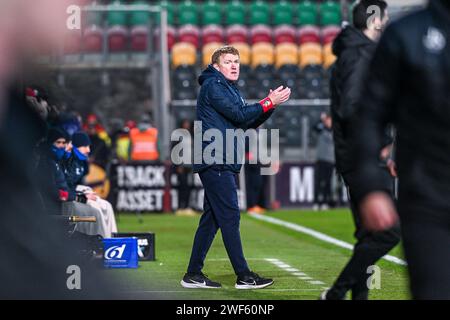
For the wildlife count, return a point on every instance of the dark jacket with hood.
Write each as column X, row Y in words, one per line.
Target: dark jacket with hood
column 409, row 86
column 76, row 167
column 54, row 187
column 221, row 107
column 354, row 51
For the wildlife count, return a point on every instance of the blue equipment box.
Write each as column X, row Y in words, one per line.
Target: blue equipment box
column 120, row 252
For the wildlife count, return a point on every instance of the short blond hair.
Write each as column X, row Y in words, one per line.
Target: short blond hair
column 221, row 51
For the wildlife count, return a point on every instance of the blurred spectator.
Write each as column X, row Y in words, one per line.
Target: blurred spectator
column 76, row 168
column 123, row 144
column 70, row 122
column 144, row 141
column 325, row 163
column 54, row 188
column 255, row 183
column 100, row 141
column 36, row 251
column 184, row 171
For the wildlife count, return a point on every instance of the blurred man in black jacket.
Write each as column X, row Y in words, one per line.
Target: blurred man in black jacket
column 409, row 86
column 354, row 48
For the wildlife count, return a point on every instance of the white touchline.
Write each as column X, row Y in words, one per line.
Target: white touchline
column 318, row 235
column 294, row 271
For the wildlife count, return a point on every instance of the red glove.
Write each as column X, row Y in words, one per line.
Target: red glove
column 266, row 104
column 63, row 195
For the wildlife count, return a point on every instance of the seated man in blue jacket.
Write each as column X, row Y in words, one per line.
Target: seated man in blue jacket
column 76, row 167
column 53, row 184
column 221, row 107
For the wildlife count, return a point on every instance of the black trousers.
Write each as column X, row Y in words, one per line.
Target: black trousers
column 323, row 175
column 426, row 242
column 369, row 248
column 184, row 190
column 254, row 184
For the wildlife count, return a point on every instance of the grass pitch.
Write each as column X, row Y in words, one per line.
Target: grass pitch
column 301, row 265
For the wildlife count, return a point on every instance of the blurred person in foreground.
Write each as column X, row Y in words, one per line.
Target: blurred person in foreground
column 408, row 86
column 36, row 252
column 354, row 48
column 220, row 106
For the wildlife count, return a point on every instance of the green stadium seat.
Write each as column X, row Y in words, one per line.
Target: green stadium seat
column 307, row 13
column 116, row 18
column 330, row 12
column 282, row 12
column 212, row 13
column 259, row 12
column 139, row 18
column 235, row 12
column 188, row 13
column 170, row 11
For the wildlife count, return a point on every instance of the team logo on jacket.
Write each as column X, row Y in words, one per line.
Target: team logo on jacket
column 434, row 40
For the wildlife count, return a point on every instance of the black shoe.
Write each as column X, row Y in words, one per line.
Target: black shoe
column 252, row 281
column 198, row 280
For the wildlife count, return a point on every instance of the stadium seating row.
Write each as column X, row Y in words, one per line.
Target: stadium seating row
column 232, row 12
column 262, row 53
column 120, row 38
column 310, row 82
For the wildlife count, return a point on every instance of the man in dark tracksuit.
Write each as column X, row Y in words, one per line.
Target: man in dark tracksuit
column 354, row 47
column 220, row 107
column 409, row 86
column 54, row 188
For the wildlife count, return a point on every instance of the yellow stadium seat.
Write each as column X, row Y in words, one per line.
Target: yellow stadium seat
column 310, row 53
column 286, row 53
column 328, row 56
column 208, row 50
column 244, row 52
column 262, row 53
column 183, row 53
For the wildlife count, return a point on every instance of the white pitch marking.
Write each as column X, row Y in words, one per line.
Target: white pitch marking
column 318, row 235
column 294, row 271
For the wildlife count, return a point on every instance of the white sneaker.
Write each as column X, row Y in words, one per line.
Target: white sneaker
column 315, row 207
column 323, row 295
column 324, row 207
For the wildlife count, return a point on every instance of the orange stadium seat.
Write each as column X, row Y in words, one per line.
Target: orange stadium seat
column 183, row 53
column 208, row 50
column 262, row 54
column 286, row 53
column 310, row 53
column 328, row 56
column 244, row 52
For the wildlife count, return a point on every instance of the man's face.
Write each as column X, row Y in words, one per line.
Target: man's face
column 84, row 150
column 229, row 66
column 380, row 24
column 60, row 143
